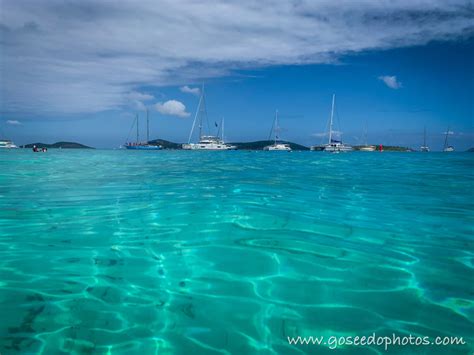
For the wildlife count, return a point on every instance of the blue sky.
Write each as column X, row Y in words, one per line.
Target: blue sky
column 80, row 71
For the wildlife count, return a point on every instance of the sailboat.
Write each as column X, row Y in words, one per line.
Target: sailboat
column 366, row 147
column 447, row 147
column 142, row 145
column 277, row 145
column 206, row 142
column 424, row 147
column 333, row 145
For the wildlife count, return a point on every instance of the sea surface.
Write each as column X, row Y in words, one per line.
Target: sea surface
column 179, row 252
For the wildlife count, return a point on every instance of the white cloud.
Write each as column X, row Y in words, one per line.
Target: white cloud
column 172, row 108
column 55, row 61
column 188, row 90
column 13, row 122
column 391, row 81
column 136, row 100
column 139, row 96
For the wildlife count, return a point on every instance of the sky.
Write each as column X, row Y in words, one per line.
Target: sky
column 81, row 70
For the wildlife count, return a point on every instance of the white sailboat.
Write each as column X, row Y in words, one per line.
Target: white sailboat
column 447, row 147
column 424, row 147
column 366, row 147
column 277, row 145
column 206, row 142
column 333, row 145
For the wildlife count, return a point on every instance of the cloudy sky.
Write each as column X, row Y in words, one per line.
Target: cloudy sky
column 80, row 70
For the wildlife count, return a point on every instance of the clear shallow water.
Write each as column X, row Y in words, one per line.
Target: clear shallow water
column 126, row 252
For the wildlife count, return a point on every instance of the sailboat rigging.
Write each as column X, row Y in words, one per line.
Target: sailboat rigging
column 277, row 144
column 366, row 147
column 333, row 145
column 447, row 147
column 137, row 145
column 206, row 142
column 424, row 147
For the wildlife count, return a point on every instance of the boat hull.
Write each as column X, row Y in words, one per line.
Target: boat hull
column 6, row 144
column 338, row 148
column 367, row 149
column 143, row 147
column 279, row 147
column 212, row 146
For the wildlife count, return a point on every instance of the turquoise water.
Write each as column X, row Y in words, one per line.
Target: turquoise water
column 174, row 252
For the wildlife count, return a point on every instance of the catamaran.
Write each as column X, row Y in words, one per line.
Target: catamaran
column 424, row 147
column 7, row 144
column 366, row 147
column 447, row 147
column 206, row 142
column 333, row 145
column 142, row 145
column 277, row 145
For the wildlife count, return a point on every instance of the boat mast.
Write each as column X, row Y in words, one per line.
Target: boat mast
column 200, row 118
column 147, row 127
column 424, row 137
column 332, row 115
column 446, row 139
column 138, row 136
column 365, row 138
column 202, row 111
column 222, row 127
column 198, row 110
column 276, row 126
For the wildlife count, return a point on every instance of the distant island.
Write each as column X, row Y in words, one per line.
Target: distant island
column 259, row 145
column 65, row 145
column 387, row 148
column 166, row 144
column 470, row 150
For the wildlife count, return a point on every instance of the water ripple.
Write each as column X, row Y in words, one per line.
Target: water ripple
column 119, row 252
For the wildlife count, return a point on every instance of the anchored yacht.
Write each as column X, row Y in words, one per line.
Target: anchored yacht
column 277, row 145
column 366, row 147
column 7, row 144
column 206, row 142
column 333, row 145
column 424, row 147
column 209, row 143
column 447, row 147
column 142, row 145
